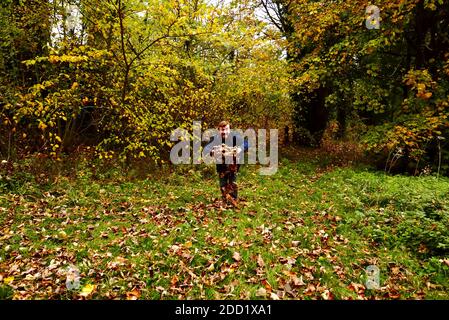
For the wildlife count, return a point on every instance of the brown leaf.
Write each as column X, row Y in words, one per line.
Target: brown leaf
column 297, row 281
column 267, row 285
column 260, row 261
column 288, row 289
column 133, row 295
column 395, row 270
column 281, row 294
column 311, row 288
column 358, row 288
column 394, row 295
column 236, row 256
column 118, row 261
column 174, row 280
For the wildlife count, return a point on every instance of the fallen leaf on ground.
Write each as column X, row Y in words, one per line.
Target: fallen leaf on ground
column 133, row 295
column 87, row 290
column 326, row 295
column 261, row 292
column 274, row 296
column 260, row 261
column 8, row 280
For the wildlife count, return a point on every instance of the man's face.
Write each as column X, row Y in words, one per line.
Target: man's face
column 225, row 131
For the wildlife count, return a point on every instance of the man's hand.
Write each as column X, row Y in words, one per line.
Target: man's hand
column 238, row 150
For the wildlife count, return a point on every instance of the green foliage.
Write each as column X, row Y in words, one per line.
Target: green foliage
column 396, row 83
column 164, row 236
column 398, row 211
column 136, row 71
column 6, row 292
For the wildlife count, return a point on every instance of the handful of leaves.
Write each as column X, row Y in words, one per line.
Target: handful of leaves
column 224, row 150
column 226, row 155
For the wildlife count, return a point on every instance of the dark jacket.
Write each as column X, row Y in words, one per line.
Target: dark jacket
column 217, row 140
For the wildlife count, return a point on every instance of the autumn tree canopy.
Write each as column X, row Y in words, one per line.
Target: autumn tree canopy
column 120, row 75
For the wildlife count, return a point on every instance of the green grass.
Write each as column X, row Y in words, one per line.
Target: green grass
column 304, row 233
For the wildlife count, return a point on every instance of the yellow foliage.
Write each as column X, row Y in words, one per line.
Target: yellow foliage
column 42, row 126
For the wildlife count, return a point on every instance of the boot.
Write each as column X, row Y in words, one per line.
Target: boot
column 235, row 190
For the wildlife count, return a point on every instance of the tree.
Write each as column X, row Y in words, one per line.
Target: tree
column 120, row 75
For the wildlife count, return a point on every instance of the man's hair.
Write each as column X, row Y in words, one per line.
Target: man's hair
column 223, row 124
